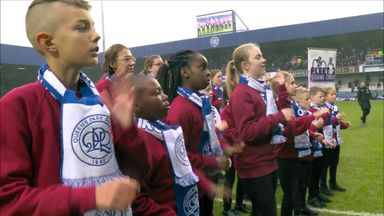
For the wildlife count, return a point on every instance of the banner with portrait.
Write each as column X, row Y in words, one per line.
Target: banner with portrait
column 321, row 67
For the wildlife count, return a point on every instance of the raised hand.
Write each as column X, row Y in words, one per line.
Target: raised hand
column 123, row 92
column 235, row 149
column 221, row 126
column 289, row 114
column 321, row 112
column 327, row 144
column 223, row 162
column 117, row 194
column 319, row 137
column 349, row 124
column 318, row 122
column 340, row 116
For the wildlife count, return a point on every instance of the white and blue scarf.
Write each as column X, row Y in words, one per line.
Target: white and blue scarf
column 317, row 148
column 302, row 141
column 185, row 181
column 327, row 127
column 266, row 93
column 336, row 128
column 209, row 142
column 88, row 157
column 219, row 90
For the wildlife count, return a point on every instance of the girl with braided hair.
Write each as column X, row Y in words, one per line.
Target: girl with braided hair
column 181, row 78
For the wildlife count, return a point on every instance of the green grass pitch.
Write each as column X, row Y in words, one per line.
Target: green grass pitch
column 361, row 165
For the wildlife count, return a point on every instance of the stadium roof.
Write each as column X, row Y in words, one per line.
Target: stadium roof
column 11, row 54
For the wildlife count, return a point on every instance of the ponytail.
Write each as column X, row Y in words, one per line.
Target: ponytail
column 232, row 77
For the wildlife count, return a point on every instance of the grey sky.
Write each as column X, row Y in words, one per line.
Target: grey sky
column 137, row 23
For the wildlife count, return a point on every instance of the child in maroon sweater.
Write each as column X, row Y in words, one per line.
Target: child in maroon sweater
column 317, row 96
column 287, row 154
column 218, row 91
column 255, row 115
column 337, row 124
column 170, row 187
column 233, row 138
column 182, row 78
column 303, row 145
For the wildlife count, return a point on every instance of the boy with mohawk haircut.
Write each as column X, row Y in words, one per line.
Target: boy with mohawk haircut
column 57, row 155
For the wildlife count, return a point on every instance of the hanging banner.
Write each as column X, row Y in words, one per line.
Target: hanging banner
column 321, row 67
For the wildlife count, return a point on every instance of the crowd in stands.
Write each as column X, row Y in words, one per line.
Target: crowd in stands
column 346, row 56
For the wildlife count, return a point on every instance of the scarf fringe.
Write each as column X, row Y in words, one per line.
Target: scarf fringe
column 300, row 145
column 93, row 181
column 302, row 141
column 187, row 180
column 316, row 147
column 304, row 152
column 277, row 137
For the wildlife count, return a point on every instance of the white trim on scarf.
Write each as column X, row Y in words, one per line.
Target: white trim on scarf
column 88, row 157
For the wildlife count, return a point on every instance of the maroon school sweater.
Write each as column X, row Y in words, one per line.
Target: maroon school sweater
column 216, row 101
column 133, row 151
column 293, row 128
column 254, row 127
column 31, row 153
column 324, row 117
column 230, row 134
column 188, row 115
column 157, row 196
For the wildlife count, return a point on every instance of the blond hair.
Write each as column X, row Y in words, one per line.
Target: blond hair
column 288, row 77
column 232, row 77
column 314, row 89
column 234, row 68
column 241, row 54
column 328, row 90
column 300, row 91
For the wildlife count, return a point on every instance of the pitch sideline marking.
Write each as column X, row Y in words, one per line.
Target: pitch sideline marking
column 330, row 211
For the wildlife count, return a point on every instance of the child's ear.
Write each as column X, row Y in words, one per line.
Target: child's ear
column 184, row 73
column 112, row 64
column 45, row 42
column 244, row 66
column 138, row 108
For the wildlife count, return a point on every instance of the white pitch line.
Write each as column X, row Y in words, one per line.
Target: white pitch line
column 330, row 211
column 338, row 212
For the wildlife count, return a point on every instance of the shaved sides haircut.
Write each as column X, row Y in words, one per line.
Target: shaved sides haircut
column 40, row 17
